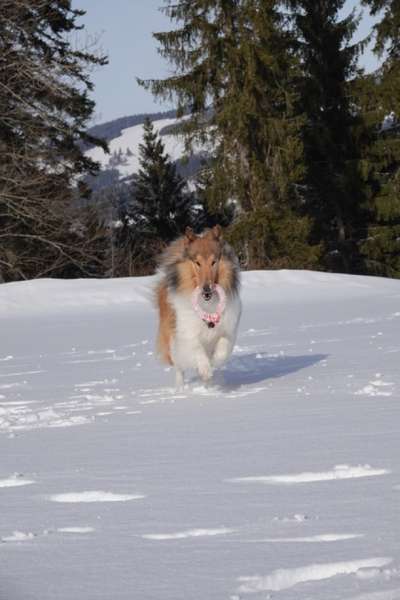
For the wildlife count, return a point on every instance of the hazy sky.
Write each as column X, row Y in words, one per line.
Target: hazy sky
column 124, row 29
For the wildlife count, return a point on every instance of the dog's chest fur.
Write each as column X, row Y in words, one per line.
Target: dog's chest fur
column 191, row 331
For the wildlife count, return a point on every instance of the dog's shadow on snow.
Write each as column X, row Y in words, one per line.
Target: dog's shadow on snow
column 255, row 368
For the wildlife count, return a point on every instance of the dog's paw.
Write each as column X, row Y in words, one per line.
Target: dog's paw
column 179, row 380
column 219, row 358
column 205, row 370
column 221, row 353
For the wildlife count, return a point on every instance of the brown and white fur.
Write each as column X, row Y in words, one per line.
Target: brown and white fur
column 184, row 340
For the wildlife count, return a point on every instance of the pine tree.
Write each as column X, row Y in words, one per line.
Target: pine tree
column 379, row 97
column 220, row 211
column 158, row 209
column 336, row 185
column 234, row 77
column 388, row 28
column 159, row 192
column 44, row 110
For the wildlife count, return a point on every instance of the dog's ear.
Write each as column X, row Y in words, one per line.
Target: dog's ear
column 190, row 235
column 217, row 232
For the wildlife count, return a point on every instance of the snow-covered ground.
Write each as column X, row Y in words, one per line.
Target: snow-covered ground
column 279, row 480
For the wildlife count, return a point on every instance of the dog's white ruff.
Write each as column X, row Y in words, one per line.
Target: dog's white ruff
column 196, row 346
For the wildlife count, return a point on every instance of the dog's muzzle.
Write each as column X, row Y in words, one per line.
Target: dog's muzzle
column 207, row 293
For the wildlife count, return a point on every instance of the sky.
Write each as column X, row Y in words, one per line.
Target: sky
column 123, row 29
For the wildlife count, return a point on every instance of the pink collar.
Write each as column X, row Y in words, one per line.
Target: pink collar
column 211, row 319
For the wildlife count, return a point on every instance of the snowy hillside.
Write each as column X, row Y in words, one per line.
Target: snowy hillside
column 280, row 480
column 124, row 149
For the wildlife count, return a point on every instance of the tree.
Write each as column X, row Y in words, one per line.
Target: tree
column 44, row 109
column 158, row 209
column 159, row 194
column 379, row 97
column 334, row 133
column 388, row 28
column 234, row 77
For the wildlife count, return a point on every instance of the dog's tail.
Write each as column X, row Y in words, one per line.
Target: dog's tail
column 167, row 323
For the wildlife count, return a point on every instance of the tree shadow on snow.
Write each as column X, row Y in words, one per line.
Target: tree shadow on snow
column 254, row 368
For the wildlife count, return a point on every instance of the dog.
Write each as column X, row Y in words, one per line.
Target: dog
column 184, row 339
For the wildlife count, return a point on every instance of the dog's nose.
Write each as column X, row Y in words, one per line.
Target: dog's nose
column 207, row 291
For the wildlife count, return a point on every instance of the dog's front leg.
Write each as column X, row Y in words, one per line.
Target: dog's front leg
column 203, row 365
column 222, row 351
column 179, row 379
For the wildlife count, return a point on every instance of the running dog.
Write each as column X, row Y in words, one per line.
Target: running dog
column 205, row 263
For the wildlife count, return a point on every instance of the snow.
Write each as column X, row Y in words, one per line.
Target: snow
column 14, row 481
column 130, row 139
column 338, row 472
column 18, row 536
column 326, row 537
column 186, row 534
column 93, row 496
column 280, row 479
column 75, row 529
column 286, row 578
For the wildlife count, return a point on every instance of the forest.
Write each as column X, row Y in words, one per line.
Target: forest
column 303, row 161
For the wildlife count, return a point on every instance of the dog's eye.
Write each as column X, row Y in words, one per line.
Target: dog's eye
column 214, row 262
column 197, row 263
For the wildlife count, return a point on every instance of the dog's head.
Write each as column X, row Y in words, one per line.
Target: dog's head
column 204, row 253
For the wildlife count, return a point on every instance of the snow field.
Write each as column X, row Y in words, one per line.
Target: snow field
column 279, row 480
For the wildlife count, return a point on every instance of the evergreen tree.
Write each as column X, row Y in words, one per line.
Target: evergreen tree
column 236, row 56
column 44, row 109
column 336, row 185
column 379, row 97
column 159, row 194
column 388, row 28
column 222, row 212
column 158, row 208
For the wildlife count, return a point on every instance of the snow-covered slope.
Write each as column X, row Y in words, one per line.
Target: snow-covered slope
column 279, row 480
column 127, row 144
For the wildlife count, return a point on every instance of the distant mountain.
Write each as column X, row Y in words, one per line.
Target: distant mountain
column 124, row 136
column 112, row 129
